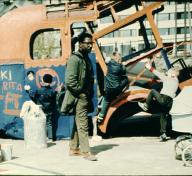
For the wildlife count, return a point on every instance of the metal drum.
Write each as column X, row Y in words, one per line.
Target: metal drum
column 34, row 126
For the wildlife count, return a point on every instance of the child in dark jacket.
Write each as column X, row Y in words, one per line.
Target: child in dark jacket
column 46, row 97
column 115, row 82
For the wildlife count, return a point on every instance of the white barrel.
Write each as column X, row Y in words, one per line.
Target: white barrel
column 34, row 127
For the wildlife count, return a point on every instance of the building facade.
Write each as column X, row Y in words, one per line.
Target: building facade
column 174, row 25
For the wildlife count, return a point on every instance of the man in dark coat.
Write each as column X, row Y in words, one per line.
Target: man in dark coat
column 79, row 81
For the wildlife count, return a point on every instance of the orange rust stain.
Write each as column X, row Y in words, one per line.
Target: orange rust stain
column 123, row 98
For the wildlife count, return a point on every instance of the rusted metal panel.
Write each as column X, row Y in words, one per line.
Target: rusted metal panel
column 13, row 27
column 122, row 99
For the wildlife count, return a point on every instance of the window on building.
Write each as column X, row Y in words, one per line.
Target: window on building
column 172, row 31
column 46, row 44
column 140, row 32
column 171, row 16
column 110, row 35
column 149, row 31
column 122, row 16
column 133, row 32
column 125, row 33
column 163, row 16
column 152, row 45
column 182, row 30
column 116, row 33
column 107, row 19
column 182, row 15
column 108, row 50
column 129, row 47
column 141, row 46
column 164, row 31
column 125, row 50
column 171, row 2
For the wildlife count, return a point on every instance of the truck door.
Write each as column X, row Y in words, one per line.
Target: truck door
column 45, row 55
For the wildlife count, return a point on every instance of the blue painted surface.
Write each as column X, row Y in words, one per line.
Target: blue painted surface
column 13, row 77
column 166, row 59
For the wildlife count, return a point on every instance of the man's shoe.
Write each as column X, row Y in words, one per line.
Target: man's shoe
column 89, row 156
column 143, row 106
column 74, row 152
column 163, row 137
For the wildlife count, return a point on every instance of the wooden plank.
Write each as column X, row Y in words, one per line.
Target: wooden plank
column 120, row 23
column 185, row 83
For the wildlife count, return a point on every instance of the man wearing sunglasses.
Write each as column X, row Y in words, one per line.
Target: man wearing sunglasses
column 79, row 79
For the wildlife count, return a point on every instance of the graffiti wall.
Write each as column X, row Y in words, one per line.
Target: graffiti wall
column 11, row 89
column 13, row 77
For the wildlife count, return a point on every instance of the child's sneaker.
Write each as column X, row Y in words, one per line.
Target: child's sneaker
column 143, row 106
column 163, row 137
column 99, row 120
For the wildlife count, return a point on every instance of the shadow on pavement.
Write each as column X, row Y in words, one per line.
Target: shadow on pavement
column 144, row 126
column 102, row 148
column 14, row 157
column 50, row 144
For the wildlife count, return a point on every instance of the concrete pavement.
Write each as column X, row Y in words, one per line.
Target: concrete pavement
column 116, row 156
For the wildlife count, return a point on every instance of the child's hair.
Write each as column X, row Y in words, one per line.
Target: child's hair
column 116, row 56
column 47, row 78
column 30, row 72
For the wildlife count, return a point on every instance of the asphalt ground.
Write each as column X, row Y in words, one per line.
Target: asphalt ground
column 134, row 149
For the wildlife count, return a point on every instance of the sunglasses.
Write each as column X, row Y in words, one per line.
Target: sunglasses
column 88, row 43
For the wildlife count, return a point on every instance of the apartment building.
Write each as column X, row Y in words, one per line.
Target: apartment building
column 173, row 22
